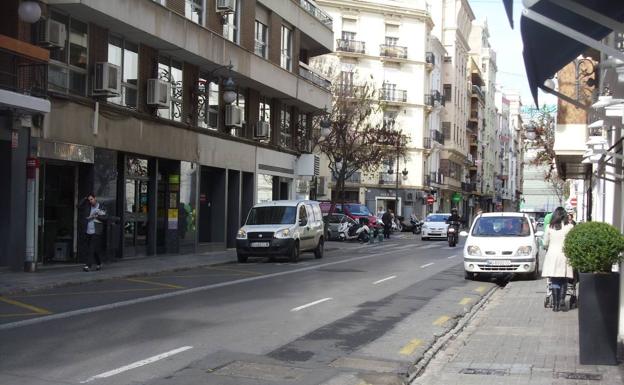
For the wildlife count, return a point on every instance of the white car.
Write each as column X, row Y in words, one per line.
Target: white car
column 435, row 226
column 281, row 228
column 501, row 243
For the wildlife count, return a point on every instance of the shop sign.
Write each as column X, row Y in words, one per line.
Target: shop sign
column 457, row 197
column 172, row 219
column 65, row 151
column 174, row 179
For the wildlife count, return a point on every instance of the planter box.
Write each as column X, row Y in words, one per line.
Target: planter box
column 598, row 318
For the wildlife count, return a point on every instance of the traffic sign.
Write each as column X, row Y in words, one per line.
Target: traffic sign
column 430, row 199
column 573, row 202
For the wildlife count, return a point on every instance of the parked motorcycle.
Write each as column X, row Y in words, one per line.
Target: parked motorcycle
column 359, row 231
column 416, row 226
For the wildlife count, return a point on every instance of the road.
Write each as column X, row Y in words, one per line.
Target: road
column 362, row 313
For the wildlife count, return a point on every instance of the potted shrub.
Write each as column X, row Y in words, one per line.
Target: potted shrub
column 592, row 248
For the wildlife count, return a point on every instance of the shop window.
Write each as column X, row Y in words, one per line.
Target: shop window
column 126, row 55
column 286, row 57
column 67, row 72
column 231, row 24
column 207, row 104
column 261, row 39
column 171, row 71
column 194, row 11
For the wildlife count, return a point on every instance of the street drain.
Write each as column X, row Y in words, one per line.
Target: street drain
column 579, row 376
column 485, row 372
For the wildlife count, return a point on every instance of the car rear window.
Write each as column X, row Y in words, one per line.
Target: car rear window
column 272, row 215
column 358, row 210
column 501, row 227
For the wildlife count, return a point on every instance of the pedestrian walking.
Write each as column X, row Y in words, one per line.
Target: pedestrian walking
column 556, row 266
column 95, row 228
column 386, row 218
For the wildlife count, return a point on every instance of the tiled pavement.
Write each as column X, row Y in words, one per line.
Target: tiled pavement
column 515, row 340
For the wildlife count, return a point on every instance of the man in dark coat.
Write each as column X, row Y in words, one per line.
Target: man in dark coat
column 386, row 218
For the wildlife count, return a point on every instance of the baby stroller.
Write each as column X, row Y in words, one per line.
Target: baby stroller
column 571, row 296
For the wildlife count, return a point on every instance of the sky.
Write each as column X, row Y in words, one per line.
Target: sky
column 508, row 46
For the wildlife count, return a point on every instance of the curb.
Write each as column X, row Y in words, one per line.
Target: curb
column 416, row 369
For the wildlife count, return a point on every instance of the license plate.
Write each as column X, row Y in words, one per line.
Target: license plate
column 498, row 262
column 259, row 244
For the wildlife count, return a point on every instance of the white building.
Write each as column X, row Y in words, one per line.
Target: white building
column 386, row 42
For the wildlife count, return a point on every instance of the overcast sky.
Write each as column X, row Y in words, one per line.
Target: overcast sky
column 508, row 46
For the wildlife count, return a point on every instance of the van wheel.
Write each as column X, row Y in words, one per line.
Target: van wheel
column 241, row 258
column 468, row 276
column 320, row 249
column 294, row 253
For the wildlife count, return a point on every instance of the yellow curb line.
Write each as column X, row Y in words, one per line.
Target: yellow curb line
column 18, row 315
column 35, row 309
column 170, row 286
column 410, row 347
column 465, row 301
column 481, row 289
column 441, row 321
column 234, row 270
column 88, row 292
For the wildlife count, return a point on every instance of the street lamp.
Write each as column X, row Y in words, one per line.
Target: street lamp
column 29, row 11
column 404, row 173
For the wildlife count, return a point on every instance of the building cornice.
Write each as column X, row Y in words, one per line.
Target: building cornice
column 420, row 14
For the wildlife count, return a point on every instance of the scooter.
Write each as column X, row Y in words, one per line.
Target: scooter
column 346, row 234
column 451, row 235
column 359, row 231
column 416, row 226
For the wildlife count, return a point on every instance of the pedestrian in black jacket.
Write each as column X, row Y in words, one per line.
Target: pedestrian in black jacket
column 95, row 227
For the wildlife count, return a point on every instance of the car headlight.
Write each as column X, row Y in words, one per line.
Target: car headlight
column 242, row 234
column 524, row 250
column 425, row 227
column 283, row 233
column 473, row 251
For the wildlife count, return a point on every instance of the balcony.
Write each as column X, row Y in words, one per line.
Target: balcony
column 436, row 178
column 347, row 90
column 437, row 136
column 318, row 13
column 392, row 51
column 469, row 187
column 392, row 95
column 23, row 75
column 430, row 59
column 427, row 143
column 351, row 46
column 474, row 116
column 355, row 178
column 389, row 179
column 316, row 78
column 569, row 146
column 476, row 91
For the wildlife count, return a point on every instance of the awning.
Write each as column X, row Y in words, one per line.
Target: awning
column 555, row 32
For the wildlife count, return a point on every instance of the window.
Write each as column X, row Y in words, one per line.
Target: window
column 285, row 132
column 207, row 104
column 303, row 214
column 171, row 71
column 261, row 36
column 389, row 119
column 194, row 11
column 348, row 35
column 393, row 41
column 286, row 61
column 448, row 92
column 230, row 26
column 67, row 71
column 240, row 102
column 264, row 115
column 126, row 56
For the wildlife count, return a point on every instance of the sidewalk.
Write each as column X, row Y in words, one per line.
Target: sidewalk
column 51, row 276
column 514, row 340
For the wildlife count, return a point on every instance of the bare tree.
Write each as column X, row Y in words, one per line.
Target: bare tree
column 357, row 140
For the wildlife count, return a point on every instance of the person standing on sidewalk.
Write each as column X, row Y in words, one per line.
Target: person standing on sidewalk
column 386, row 218
column 556, row 266
column 95, row 228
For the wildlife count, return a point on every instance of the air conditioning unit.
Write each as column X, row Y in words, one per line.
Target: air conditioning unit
column 158, row 93
column 107, row 79
column 262, row 130
column 233, row 116
column 226, row 6
column 51, row 34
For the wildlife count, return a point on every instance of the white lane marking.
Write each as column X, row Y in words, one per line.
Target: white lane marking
column 406, row 247
column 137, row 364
column 452, row 256
column 429, row 246
column 157, row 297
column 427, row 265
column 311, row 304
column 384, row 280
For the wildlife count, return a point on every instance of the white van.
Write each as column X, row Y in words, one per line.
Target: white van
column 281, row 228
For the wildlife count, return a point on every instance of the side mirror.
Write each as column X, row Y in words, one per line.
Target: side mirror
column 463, row 234
column 539, row 234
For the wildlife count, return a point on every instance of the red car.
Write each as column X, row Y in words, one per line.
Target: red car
column 354, row 211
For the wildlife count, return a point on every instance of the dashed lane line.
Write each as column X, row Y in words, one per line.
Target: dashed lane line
column 137, row 364
column 441, row 320
column 452, row 256
column 35, row 309
column 384, row 279
column 311, row 304
column 410, row 347
column 427, row 265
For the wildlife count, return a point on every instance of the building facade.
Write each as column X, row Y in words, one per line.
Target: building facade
column 385, row 43
column 178, row 115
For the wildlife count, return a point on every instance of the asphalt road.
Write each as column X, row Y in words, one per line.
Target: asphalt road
column 362, row 310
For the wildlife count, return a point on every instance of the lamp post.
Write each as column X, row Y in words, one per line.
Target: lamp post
column 404, row 173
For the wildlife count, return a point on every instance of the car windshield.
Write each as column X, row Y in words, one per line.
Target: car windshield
column 358, row 210
column 501, row 227
column 272, row 215
column 437, row 218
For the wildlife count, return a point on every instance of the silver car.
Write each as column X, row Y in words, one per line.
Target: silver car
column 435, row 226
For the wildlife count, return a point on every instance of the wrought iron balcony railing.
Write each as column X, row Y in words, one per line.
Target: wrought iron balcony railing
column 307, row 73
column 429, row 58
column 393, row 51
column 437, row 136
column 21, row 73
column 315, row 11
column 348, row 90
column 392, row 95
column 346, row 45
